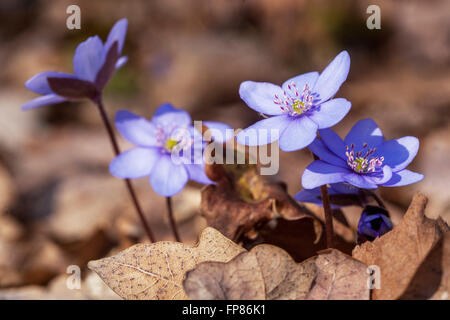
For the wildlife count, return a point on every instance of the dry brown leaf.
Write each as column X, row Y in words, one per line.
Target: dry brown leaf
column 399, row 253
column 339, row 277
column 242, row 200
column 432, row 278
column 265, row 272
column 156, row 271
column 92, row 288
column 239, row 279
column 284, row 279
column 299, row 238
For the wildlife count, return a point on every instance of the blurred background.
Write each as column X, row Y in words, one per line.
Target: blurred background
column 58, row 204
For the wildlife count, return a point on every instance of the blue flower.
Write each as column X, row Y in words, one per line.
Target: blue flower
column 374, row 222
column 363, row 159
column 168, row 149
column 94, row 63
column 315, row 195
column 299, row 107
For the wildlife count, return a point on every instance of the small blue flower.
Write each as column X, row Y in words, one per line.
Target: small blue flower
column 299, row 107
column 91, row 56
column 169, row 133
column 315, row 195
column 374, row 222
column 363, row 159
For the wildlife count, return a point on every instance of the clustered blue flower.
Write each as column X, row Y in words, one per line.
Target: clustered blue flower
column 300, row 113
column 297, row 114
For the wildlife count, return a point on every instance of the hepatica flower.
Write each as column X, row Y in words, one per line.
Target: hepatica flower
column 169, row 133
column 298, row 108
column 363, row 159
column 94, row 63
column 374, row 222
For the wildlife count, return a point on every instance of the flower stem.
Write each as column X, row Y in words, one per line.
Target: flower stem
column 328, row 215
column 173, row 225
column 98, row 101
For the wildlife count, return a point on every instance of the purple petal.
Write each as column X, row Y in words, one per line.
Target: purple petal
column 299, row 134
column 399, row 153
column 42, row 101
column 168, row 178
column 117, row 33
column 39, row 83
column 197, row 173
column 314, row 196
column 319, row 173
column 364, row 131
column 264, row 131
column 309, row 78
column 359, row 181
column 309, row 195
column 191, row 153
column 164, row 108
column 333, row 76
column 195, row 153
column 88, row 58
column 320, row 149
column 333, row 142
column 260, row 95
column 220, row 132
column 134, row 163
column 135, row 129
column 344, row 188
column 122, row 60
column 403, row 178
column 167, row 115
column 385, row 177
column 330, row 112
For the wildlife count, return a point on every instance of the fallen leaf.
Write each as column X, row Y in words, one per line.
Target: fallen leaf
column 302, row 238
column 284, row 279
column 242, row 201
column 265, row 272
column 156, row 271
column 339, row 277
column 443, row 292
column 79, row 211
column 240, row 279
column 432, row 278
column 400, row 252
column 91, row 288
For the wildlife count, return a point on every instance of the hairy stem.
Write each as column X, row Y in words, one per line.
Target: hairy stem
column 115, row 145
column 173, row 225
column 328, row 214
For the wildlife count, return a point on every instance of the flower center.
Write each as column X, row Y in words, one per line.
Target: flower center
column 170, row 143
column 361, row 161
column 294, row 103
column 169, row 137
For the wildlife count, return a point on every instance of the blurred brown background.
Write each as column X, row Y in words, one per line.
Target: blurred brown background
column 59, row 205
